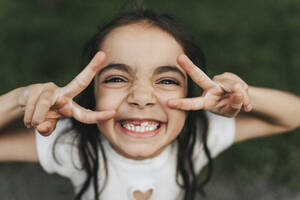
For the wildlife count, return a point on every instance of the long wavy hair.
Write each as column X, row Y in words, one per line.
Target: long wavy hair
column 89, row 140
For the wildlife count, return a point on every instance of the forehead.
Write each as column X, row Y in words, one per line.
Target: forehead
column 141, row 44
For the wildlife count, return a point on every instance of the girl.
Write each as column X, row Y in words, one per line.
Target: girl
column 149, row 136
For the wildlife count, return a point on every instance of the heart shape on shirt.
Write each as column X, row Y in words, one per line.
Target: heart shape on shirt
column 142, row 195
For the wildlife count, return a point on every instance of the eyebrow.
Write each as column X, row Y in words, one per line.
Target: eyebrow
column 127, row 69
column 117, row 66
column 163, row 69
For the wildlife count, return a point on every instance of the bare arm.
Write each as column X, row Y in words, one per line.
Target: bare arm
column 18, row 145
column 9, row 107
column 15, row 145
column 258, row 111
column 42, row 105
column 273, row 112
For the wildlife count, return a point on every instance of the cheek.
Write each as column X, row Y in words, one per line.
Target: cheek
column 109, row 100
column 164, row 96
column 105, row 128
column 176, row 118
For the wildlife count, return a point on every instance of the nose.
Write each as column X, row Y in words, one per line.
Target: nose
column 141, row 96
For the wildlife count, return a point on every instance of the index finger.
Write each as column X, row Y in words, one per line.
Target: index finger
column 83, row 79
column 197, row 75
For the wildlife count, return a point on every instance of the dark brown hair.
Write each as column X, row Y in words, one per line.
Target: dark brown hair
column 90, row 139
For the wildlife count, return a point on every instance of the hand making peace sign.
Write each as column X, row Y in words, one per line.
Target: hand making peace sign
column 226, row 94
column 45, row 104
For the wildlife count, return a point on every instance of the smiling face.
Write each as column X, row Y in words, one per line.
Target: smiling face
column 139, row 76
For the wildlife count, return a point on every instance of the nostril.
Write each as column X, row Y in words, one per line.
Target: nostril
column 141, row 99
column 141, row 105
column 149, row 104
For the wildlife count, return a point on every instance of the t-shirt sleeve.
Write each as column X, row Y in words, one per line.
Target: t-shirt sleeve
column 62, row 158
column 221, row 133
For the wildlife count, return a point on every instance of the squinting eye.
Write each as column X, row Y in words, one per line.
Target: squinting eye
column 114, row 80
column 168, row 82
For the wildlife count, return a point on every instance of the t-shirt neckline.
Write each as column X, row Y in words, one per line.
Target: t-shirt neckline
column 113, row 155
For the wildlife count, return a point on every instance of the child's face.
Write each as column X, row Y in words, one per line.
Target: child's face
column 140, row 74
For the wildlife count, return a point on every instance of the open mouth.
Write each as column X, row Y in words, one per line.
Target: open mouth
column 140, row 128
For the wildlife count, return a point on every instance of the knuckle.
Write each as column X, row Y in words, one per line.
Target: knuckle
column 44, row 102
column 217, row 78
column 36, row 88
column 33, row 88
column 200, row 79
column 29, row 107
column 231, row 75
column 26, row 121
column 227, row 74
column 237, row 86
column 81, row 82
column 35, row 122
column 47, row 96
column 49, row 86
column 37, row 85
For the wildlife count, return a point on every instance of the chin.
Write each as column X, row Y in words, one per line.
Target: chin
column 141, row 151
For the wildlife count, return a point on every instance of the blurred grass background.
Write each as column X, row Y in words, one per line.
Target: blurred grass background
column 42, row 40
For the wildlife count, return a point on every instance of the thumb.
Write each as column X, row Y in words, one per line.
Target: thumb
column 90, row 117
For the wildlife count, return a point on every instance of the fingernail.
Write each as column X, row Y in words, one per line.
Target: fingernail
column 249, row 107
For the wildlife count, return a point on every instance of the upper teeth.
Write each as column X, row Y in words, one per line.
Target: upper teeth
column 143, row 127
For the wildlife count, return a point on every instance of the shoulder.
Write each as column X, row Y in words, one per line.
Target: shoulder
column 58, row 153
column 220, row 135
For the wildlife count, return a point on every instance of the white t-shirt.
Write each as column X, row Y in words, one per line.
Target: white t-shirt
column 125, row 175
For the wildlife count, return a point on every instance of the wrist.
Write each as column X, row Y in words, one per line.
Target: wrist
column 257, row 95
column 11, row 107
column 19, row 101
